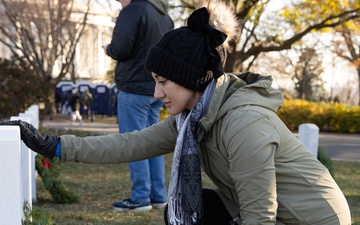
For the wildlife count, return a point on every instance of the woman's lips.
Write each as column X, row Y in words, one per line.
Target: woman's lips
column 166, row 104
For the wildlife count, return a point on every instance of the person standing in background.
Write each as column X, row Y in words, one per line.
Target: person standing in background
column 66, row 109
column 74, row 104
column 86, row 99
column 139, row 26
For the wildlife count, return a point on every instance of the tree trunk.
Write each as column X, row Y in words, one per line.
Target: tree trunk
column 358, row 73
column 50, row 105
column 49, row 101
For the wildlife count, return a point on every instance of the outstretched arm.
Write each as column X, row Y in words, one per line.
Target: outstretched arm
column 43, row 144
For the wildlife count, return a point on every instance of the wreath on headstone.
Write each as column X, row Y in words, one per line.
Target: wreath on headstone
column 48, row 171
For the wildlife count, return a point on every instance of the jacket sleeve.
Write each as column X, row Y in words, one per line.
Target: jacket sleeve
column 251, row 139
column 158, row 139
column 124, row 33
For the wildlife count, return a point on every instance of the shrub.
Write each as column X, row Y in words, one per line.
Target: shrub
column 324, row 158
column 20, row 87
column 328, row 116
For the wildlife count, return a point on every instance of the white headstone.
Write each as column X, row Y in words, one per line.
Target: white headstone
column 33, row 113
column 34, row 110
column 309, row 136
column 11, row 200
column 26, row 167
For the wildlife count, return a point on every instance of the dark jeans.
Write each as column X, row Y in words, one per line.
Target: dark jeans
column 215, row 212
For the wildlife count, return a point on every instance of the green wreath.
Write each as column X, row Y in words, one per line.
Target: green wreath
column 48, row 171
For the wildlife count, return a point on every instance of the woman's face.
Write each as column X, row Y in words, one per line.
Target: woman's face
column 175, row 97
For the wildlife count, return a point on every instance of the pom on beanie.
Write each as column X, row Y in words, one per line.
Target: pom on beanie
column 192, row 56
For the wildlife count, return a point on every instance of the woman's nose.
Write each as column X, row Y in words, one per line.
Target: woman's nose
column 158, row 93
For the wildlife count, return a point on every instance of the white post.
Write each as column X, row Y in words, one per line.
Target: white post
column 309, row 136
column 11, row 201
column 26, row 167
column 33, row 113
column 34, row 110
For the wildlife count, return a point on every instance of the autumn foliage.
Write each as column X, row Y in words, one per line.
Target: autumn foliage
column 328, row 116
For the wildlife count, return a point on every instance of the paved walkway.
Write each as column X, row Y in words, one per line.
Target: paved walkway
column 345, row 147
column 103, row 128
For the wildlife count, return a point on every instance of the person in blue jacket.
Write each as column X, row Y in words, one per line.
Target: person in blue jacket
column 139, row 26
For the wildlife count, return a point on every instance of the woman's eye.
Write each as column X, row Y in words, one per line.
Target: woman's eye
column 162, row 81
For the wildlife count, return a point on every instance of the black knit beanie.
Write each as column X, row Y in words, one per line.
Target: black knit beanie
column 189, row 55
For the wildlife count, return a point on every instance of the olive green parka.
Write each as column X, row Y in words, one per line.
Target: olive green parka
column 261, row 170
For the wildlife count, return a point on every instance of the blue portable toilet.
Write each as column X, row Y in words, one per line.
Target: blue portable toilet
column 113, row 99
column 101, row 99
column 64, row 86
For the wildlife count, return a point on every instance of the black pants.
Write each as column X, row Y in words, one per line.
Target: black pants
column 215, row 212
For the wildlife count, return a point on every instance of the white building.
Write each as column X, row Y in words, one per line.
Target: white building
column 90, row 62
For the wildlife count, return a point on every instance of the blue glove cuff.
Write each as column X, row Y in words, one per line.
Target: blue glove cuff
column 58, row 149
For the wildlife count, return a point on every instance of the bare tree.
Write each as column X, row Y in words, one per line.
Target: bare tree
column 43, row 32
column 348, row 47
column 306, row 76
column 278, row 30
column 303, row 66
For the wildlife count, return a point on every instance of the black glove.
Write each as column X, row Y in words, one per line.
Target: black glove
column 33, row 139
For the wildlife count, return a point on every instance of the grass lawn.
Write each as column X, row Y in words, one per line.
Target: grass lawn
column 98, row 186
column 347, row 175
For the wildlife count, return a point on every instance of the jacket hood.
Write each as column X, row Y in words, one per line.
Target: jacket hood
column 238, row 90
column 161, row 5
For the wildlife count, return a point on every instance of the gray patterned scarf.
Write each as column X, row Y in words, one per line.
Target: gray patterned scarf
column 185, row 206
